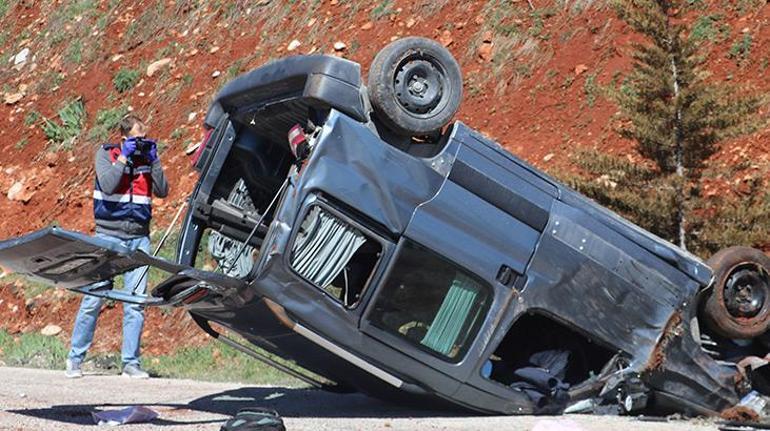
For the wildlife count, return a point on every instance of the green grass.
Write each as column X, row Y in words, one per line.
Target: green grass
column 31, row 118
column 21, row 144
column 383, row 9
column 709, row 28
column 168, row 252
column 102, row 21
column 516, row 50
column 81, row 8
column 72, row 117
column 211, row 362
column 591, row 90
column 235, row 69
column 74, row 52
column 125, row 79
column 538, row 22
column 50, row 81
column 741, row 47
column 145, row 27
column 746, row 6
column 32, row 350
column 106, row 121
column 217, row 362
column 28, row 287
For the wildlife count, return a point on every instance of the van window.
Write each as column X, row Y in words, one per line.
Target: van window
column 431, row 302
column 334, row 256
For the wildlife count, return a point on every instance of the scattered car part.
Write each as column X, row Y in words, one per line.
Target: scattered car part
column 128, row 415
column 254, row 419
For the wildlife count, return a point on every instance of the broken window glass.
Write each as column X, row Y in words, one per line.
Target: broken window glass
column 334, row 256
column 431, row 302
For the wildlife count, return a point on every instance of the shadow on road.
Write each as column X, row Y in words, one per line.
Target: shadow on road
column 288, row 402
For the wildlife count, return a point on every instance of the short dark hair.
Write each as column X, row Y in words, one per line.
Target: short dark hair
column 128, row 122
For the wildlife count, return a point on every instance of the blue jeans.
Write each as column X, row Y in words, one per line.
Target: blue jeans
column 133, row 315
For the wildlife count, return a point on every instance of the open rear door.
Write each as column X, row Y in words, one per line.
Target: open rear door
column 87, row 265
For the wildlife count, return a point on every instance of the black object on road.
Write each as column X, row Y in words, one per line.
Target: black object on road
column 255, row 419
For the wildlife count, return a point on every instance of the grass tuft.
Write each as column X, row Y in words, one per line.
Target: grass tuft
column 32, row 117
column 741, row 48
column 72, row 117
column 383, row 9
column 4, row 6
column 709, row 28
column 125, row 79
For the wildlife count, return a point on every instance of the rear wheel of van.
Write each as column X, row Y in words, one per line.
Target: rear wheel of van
column 415, row 86
column 738, row 306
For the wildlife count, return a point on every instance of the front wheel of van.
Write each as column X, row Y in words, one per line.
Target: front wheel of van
column 738, row 305
column 415, row 86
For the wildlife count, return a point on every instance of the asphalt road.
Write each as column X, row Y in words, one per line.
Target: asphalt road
column 45, row 400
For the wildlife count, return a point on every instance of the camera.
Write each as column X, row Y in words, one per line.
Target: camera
column 143, row 145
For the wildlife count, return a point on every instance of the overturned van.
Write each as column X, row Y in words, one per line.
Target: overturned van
column 385, row 250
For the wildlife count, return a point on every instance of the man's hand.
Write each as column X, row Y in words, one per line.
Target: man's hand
column 128, row 148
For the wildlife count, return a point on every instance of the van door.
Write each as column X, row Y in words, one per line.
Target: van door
column 453, row 271
column 86, row 264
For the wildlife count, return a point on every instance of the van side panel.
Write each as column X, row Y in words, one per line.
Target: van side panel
column 352, row 165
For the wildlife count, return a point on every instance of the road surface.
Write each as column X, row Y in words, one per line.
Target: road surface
column 45, row 400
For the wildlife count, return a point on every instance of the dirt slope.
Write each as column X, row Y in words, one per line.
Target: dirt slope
column 533, row 79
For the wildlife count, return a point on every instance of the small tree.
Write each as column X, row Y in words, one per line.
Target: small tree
column 676, row 116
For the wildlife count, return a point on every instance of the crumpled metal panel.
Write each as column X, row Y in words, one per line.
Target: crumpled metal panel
column 609, row 287
column 352, row 165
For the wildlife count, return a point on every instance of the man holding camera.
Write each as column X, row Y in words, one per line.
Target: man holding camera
column 127, row 176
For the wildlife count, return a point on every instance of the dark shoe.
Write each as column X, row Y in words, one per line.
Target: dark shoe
column 135, row 372
column 72, row 370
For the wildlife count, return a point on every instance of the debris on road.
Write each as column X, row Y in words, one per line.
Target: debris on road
column 255, row 419
column 129, row 415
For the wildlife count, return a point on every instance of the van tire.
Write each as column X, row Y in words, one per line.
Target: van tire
column 415, row 86
column 738, row 306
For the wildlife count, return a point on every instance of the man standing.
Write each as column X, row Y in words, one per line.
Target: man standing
column 127, row 176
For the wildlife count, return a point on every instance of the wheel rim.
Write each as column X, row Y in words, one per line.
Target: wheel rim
column 746, row 291
column 420, row 86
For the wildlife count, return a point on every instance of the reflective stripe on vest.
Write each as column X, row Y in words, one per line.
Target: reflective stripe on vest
column 145, row 200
